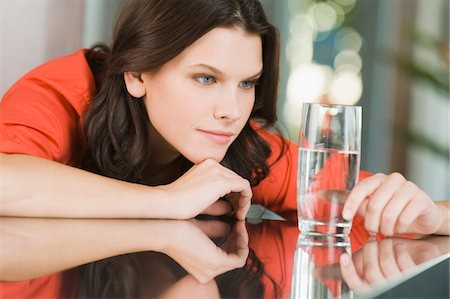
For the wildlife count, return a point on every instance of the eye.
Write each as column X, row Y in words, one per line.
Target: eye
column 205, row 79
column 248, row 84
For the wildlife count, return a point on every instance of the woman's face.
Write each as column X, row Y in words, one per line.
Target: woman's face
column 200, row 101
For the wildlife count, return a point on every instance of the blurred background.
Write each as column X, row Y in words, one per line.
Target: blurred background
column 389, row 56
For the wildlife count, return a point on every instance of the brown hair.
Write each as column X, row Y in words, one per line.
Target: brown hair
column 147, row 35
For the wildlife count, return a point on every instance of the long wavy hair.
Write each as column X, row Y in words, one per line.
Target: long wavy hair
column 148, row 34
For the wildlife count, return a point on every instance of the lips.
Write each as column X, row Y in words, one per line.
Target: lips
column 218, row 137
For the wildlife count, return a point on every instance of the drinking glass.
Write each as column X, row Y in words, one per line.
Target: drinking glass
column 328, row 166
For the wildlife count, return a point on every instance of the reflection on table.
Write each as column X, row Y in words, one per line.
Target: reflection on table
column 207, row 257
column 379, row 265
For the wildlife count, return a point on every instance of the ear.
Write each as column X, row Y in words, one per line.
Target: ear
column 135, row 84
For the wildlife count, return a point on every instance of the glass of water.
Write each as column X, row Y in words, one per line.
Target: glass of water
column 328, row 166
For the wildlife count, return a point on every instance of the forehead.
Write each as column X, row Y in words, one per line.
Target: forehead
column 230, row 50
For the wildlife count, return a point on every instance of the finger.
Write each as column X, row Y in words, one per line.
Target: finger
column 380, row 198
column 351, row 277
column 387, row 260
column 236, row 250
column 403, row 258
column 412, row 210
column 358, row 259
column 227, row 172
column 242, row 252
column 214, row 168
column 362, row 210
column 420, row 216
column 242, row 198
column 394, row 208
column 237, row 239
column 241, row 229
column 363, row 189
column 371, row 264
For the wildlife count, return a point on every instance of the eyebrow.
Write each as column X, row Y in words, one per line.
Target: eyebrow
column 219, row 72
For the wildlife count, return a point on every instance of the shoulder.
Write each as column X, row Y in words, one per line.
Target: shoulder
column 68, row 77
column 39, row 114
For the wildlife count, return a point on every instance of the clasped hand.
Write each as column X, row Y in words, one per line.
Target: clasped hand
column 198, row 190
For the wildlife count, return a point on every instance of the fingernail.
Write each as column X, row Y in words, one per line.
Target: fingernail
column 347, row 214
column 345, row 260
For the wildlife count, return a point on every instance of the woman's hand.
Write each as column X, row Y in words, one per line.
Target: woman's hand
column 390, row 204
column 198, row 192
column 190, row 246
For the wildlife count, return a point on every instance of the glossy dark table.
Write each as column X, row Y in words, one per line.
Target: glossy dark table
column 108, row 258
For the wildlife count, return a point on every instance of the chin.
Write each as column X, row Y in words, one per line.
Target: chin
column 197, row 159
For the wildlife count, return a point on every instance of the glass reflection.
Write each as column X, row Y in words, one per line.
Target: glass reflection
column 316, row 271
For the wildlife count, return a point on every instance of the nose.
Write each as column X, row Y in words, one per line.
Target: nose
column 227, row 105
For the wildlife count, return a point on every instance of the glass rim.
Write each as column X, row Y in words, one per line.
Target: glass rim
column 330, row 105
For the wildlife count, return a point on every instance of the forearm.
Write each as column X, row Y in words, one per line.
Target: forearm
column 34, row 187
column 53, row 245
column 444, row 208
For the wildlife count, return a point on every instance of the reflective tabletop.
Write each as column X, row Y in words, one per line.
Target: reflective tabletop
column 263, row 257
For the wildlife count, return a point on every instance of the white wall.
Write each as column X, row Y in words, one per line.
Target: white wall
column 99, row 20
column 34, row 31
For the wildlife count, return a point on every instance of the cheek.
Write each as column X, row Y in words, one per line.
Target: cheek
column 164, row 101
column 246, row 108
column 173, row 112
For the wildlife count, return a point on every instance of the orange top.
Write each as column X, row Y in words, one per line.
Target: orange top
column 39, row 116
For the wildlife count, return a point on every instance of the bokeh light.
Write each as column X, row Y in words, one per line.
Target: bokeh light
column 346, row 88
column 325, row 17
column 348, row 60
column 346, row 5
column 321, row 75
column 308, row 82
column 348, row 38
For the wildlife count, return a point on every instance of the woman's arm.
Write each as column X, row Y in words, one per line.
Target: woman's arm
column 36, row 187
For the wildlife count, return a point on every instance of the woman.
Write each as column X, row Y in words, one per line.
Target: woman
column 174, row 121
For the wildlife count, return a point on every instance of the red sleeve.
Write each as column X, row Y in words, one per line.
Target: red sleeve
column 39, row 114
column 44, row 287
column 274, row 243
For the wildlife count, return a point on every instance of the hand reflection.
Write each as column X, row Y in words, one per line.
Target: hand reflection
column 192, row 247
column 379, row 261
